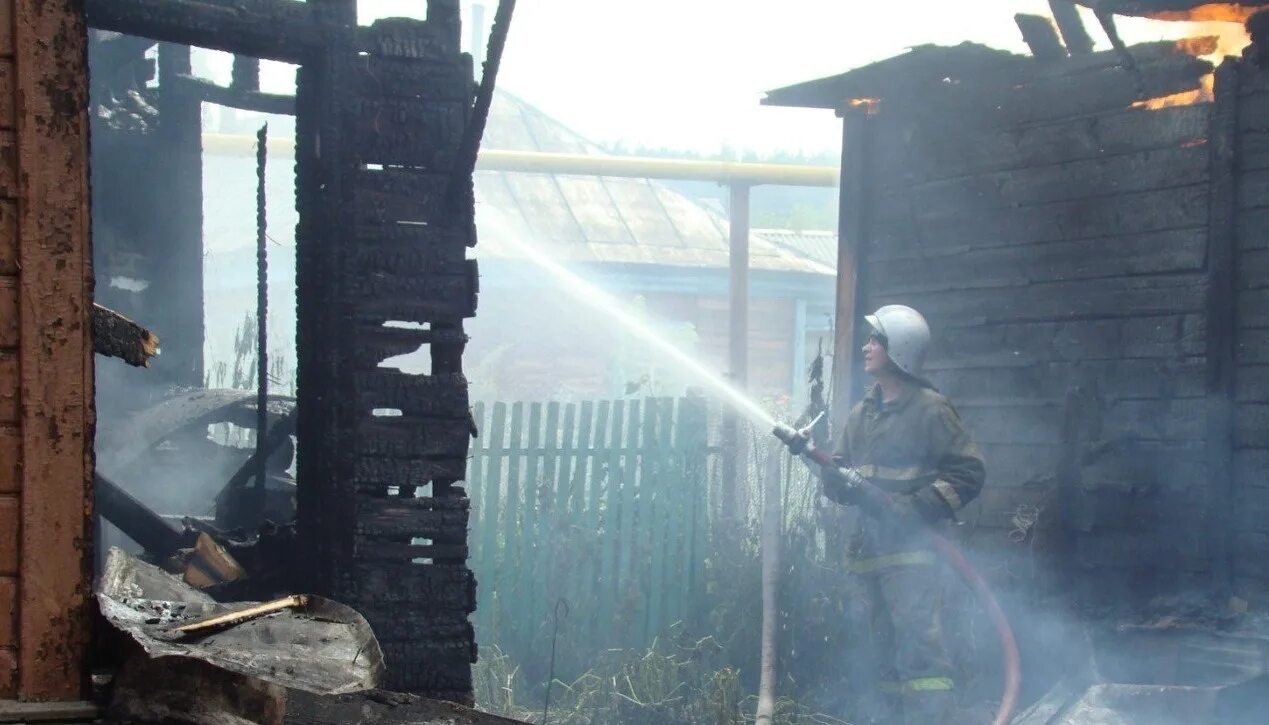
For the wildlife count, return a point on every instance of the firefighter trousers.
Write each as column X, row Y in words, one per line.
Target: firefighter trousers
column 911, row 670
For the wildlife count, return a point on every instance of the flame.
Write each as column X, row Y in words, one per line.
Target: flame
column 1218, row 12
column 1184, row 98
column 1218, row 40
column 870, row 105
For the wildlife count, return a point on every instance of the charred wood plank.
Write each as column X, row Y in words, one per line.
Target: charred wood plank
column 376, row 345
column 408, row 437
column 1049, row 98
column 1006, row 345
column 900, row 227
column 373, row 471
column 385, row 76
column 1074, row 34
column 405, row 132
column 433, row 396
column 1222, row 334
column 116, row 336
column 1040, row 36
column 425, row 251
column 412, row 517
column 369, row 309
column 1159, row 168
column 283, row 30
column 436, row 588
column 1113, row 298
column 387, row 551
column 408, row 39
column 241, row 98
column 950, row 268
column 923, row 152
column 136, row 520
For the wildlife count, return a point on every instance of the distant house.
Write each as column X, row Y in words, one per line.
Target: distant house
column 649, row 246
column 657, row 252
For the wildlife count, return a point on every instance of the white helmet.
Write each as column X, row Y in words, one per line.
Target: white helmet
column 906, row 336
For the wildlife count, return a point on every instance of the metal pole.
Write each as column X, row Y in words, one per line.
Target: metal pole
column 262, row 309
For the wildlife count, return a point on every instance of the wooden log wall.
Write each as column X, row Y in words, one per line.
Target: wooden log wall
column 381, row 270
column 1056, row 238
column 1250, row 531
column 46, row 383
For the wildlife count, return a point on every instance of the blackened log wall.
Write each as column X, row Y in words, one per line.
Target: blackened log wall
column 1250, row 535
column 381, row 270
column 1056, row 238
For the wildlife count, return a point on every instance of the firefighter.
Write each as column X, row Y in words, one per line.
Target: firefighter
column 906, row 439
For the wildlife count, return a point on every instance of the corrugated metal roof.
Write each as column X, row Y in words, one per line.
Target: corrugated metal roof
column 820, row 246
column 599, row 219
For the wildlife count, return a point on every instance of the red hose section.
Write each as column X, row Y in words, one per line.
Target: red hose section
column 1008, row 645
column 976, row 583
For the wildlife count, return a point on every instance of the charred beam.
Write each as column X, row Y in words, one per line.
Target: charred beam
column 226, row 506
column 1221, row 308
column 135, row 519
column 465, row 163
column 1074, row 34
column 1040, row 36
column 246, row 100
column 283, row 30
column 116, row 336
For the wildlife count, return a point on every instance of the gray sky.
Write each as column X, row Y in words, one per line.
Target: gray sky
column 689, row 74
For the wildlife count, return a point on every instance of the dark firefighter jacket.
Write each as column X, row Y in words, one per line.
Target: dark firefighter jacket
column 915, row 445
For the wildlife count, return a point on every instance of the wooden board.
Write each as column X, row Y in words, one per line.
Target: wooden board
column 1122, row 297
column 899, row 227
column 1042, row 100
column 1158, row 168
column 10, row 528
column 925, row 152
column 1179, row 250
column 8, row 237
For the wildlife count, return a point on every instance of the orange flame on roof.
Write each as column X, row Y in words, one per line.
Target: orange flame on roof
column 1219, row 12
column 870, row 105
column 1218, row 40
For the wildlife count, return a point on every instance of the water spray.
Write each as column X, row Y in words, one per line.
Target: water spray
column 801, row 444
column 591, row 295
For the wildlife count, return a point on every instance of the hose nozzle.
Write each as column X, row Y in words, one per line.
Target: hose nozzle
column 796, row 440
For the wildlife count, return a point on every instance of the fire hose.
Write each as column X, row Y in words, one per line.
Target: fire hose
column 799, row 442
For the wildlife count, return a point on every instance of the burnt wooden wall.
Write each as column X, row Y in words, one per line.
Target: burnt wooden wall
column 46, row 414
column 1056, row 238
column 1251, row 410
column 386, row 215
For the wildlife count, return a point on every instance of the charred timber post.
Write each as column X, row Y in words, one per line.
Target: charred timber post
column 737, row 340
column 178, row 289
column 1074, row 34
column 262, row 305
column 1040, row 36
column 1221, row 325
column 469, row 148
